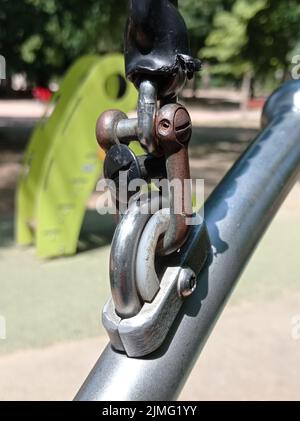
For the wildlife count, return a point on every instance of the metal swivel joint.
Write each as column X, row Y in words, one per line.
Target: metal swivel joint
column 144, row 303
column 152, row 268
column 170, row 134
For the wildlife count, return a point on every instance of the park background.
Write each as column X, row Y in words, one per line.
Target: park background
column 52, row 306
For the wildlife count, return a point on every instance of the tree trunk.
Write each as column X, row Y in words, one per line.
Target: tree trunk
column 245, row 91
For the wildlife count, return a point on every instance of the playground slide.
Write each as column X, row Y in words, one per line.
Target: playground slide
column 62, row 163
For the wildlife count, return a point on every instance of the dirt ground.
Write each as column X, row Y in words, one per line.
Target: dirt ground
column 252, row 354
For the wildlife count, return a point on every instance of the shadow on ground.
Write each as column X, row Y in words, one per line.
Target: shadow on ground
column 96, row 231
column 15, row 132
column 213, row 150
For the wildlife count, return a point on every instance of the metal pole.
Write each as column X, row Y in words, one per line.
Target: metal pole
column 237, row 214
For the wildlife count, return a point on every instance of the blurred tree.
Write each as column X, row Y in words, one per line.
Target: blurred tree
column 228, row 39
column 199, row 16
column 273, row 34
column 254, row 37
column 42, row 37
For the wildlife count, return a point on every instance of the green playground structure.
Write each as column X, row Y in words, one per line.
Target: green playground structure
column 62, row 162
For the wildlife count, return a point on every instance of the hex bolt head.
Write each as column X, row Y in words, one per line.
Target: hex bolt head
column 187, row 282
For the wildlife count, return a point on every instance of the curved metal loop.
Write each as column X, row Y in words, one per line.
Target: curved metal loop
column 147, row 107
column 123, row 253
column 147, row 281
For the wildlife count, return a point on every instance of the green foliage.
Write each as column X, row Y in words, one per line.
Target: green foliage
column 229, row 37
column 199, row 17
column 43, row 37
column 255, row 36
column 274, row 33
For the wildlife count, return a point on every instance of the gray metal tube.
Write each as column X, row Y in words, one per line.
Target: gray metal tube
column 237, row 214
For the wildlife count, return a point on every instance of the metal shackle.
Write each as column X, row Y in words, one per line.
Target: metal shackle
column 124, row 246
column 161, row 297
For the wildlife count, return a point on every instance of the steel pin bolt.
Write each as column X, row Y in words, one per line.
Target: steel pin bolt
column 173, row 124
column 187, row 282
